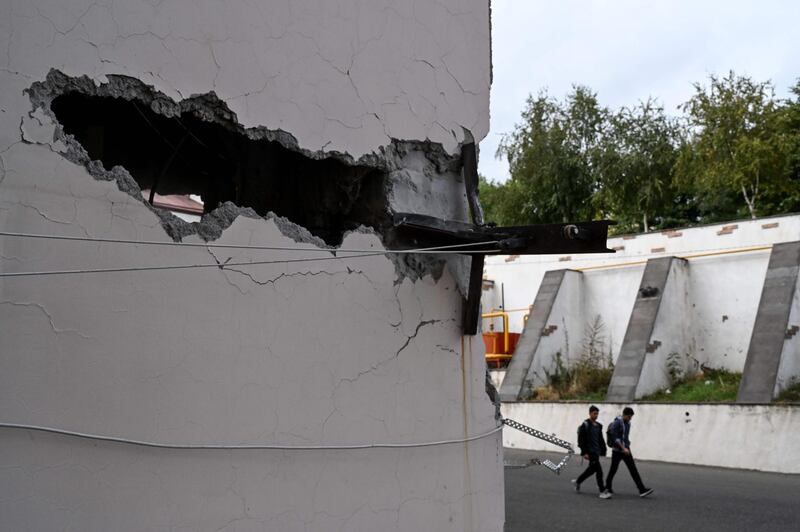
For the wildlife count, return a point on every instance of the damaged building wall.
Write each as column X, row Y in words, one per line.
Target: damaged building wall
column 325, row 351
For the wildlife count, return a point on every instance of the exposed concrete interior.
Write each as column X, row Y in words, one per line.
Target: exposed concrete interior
column 188, row 155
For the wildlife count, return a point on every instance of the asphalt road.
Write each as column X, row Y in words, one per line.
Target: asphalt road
column 686, row 498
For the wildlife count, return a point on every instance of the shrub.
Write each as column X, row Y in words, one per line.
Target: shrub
column 588, row 378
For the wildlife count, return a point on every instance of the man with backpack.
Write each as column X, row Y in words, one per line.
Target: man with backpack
column 590, row 441
column 619, row 440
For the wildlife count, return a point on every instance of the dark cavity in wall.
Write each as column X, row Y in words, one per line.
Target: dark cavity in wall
column 189, row 150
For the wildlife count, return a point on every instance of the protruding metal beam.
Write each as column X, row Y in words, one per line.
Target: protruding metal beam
column 544, row 239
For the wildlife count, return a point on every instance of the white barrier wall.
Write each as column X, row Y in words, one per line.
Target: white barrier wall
column 760, row 437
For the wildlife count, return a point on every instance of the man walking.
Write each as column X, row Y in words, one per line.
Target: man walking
column 619, row 437
column 590, row 441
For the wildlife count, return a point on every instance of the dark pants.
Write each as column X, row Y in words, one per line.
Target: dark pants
column 594, row 467
column 616, row 457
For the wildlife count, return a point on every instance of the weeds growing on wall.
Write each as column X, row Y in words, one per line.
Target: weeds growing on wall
column 677, row 373
column 709, row 386
column 585, row 379
column 790, row 394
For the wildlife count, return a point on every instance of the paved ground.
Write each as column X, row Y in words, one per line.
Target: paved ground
column 686, row 498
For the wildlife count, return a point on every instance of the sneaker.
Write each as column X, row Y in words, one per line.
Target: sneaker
column 605, row 495
column 646, row 492
column 577, row 484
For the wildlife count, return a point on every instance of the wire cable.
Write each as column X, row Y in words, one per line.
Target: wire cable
column 220, row 265
column 436, row 250
column 158, row 445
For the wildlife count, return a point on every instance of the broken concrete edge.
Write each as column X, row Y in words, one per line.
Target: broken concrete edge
column 211, row 108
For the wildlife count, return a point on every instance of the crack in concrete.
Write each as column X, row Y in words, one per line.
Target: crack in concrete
column 378, row 365
column 49, row 318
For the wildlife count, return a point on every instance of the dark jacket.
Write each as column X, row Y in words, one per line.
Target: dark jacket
column 584, row 438
column 620, row 432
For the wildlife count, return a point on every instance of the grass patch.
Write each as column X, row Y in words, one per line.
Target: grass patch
column 790, row 394
column 712, row 386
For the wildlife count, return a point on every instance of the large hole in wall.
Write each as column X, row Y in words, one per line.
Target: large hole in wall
column 185, row 155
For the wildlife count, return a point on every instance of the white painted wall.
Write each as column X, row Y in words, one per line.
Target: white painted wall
column 497, row 376
column 611, row 295
column 724, row 296
column 330, row 352
column 521, row 286
column 760, row 437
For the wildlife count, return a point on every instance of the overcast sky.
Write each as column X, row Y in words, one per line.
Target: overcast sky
column 627, row 50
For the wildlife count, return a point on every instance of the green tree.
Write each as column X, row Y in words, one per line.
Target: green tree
column 639, row 154
column 790, row 202
column 500, row 201
column 553, row 159
column 737, row 142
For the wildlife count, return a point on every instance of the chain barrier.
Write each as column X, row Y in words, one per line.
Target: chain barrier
column 549, row 438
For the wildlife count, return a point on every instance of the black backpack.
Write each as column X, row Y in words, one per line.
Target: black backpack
column 611, row 438
column 581, row 428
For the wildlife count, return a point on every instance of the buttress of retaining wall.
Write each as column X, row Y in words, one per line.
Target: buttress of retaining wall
column 560, row 341
column 668, row 343
column 761, row 369
column 531, row 334
column 637, row 342
column 789, row 369
column 554, row 327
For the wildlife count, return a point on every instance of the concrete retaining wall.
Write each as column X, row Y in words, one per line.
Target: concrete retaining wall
column 756, row 437
column 724, row 290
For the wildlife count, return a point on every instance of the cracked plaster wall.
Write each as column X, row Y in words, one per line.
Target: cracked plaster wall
column 329, row 352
